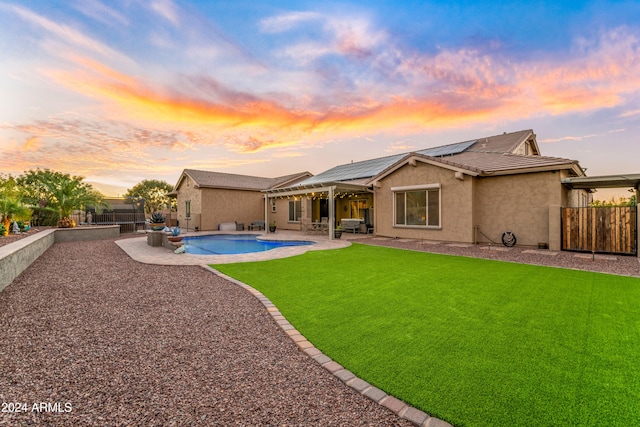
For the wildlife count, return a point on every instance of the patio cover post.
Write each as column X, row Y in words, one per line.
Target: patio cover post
column 331, row 210
column 266, row 212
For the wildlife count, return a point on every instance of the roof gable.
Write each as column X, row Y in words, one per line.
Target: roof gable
column 506, row 143
column 509, row 153
column 450, row 155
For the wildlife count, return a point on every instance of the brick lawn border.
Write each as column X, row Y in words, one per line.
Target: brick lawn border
column 400, row 408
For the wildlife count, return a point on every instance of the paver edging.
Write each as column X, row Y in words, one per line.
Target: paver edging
column 395, row 405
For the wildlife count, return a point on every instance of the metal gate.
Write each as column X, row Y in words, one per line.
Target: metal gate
column 600, row 229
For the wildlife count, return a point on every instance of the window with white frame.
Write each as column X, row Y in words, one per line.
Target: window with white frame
column 295, row 210
column 417, row 206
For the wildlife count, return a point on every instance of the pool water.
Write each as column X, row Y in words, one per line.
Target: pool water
column 228, row 244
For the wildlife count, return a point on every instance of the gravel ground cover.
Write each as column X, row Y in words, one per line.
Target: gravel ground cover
column 614, row 264
column 91, row 337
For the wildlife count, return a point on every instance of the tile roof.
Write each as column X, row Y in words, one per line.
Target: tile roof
column 504, row 143
column 239, row 182
column 495, row 154
column 490, row 163
column 483, row 156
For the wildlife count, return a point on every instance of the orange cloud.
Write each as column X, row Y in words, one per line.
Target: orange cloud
column 31, row 144
column 453, row 88
column 247, row 119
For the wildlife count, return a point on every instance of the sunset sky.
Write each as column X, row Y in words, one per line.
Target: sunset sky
column 121, row 91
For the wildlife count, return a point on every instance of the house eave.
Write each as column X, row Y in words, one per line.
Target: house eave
column 228, row 187
column 316, row 188
column 575, row 168
column 412, row 158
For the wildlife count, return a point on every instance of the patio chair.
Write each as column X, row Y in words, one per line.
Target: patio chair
column 307, row 227
column 324, row 224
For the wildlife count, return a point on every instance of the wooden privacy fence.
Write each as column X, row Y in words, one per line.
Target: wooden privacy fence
column 600, row 229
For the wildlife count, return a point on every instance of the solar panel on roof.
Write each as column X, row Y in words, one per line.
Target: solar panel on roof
column 448, row 150
column 351, row 171
column 370, row 168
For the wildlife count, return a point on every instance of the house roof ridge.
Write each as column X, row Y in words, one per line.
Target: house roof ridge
column 226, row 173
column 441, row 159
column 216, row 179
column 292, row 175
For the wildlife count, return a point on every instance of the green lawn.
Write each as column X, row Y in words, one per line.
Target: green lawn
column 474, row 342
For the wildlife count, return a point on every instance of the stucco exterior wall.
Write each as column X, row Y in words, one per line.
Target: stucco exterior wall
column 281, row 215
column 574, row 198
column 212, row 206
column 456, row 198
column 517, row 203
column 221, row 205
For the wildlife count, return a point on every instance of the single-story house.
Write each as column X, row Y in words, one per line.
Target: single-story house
column 467, row 192
column 207, row 199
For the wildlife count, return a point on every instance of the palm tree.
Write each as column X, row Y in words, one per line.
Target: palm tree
column 11, row 205
column 50, row 191
column 68, row 193
column 11, row 208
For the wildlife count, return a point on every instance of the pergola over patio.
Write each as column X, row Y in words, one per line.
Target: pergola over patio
column 322, row 190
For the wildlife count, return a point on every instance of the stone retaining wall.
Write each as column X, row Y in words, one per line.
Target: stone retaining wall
column 17, row 256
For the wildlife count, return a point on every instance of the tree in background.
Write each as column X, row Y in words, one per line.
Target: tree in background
column 35, row 195
column 50, row 191
column 623, row 201
column 155, row 193
column 11, row 205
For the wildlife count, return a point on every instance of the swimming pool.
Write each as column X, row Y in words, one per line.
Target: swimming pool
column 227, row 244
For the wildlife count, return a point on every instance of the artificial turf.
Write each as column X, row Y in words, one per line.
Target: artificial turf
column 474, row 342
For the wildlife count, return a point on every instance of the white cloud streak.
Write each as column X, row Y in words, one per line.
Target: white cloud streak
column 68, row 34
